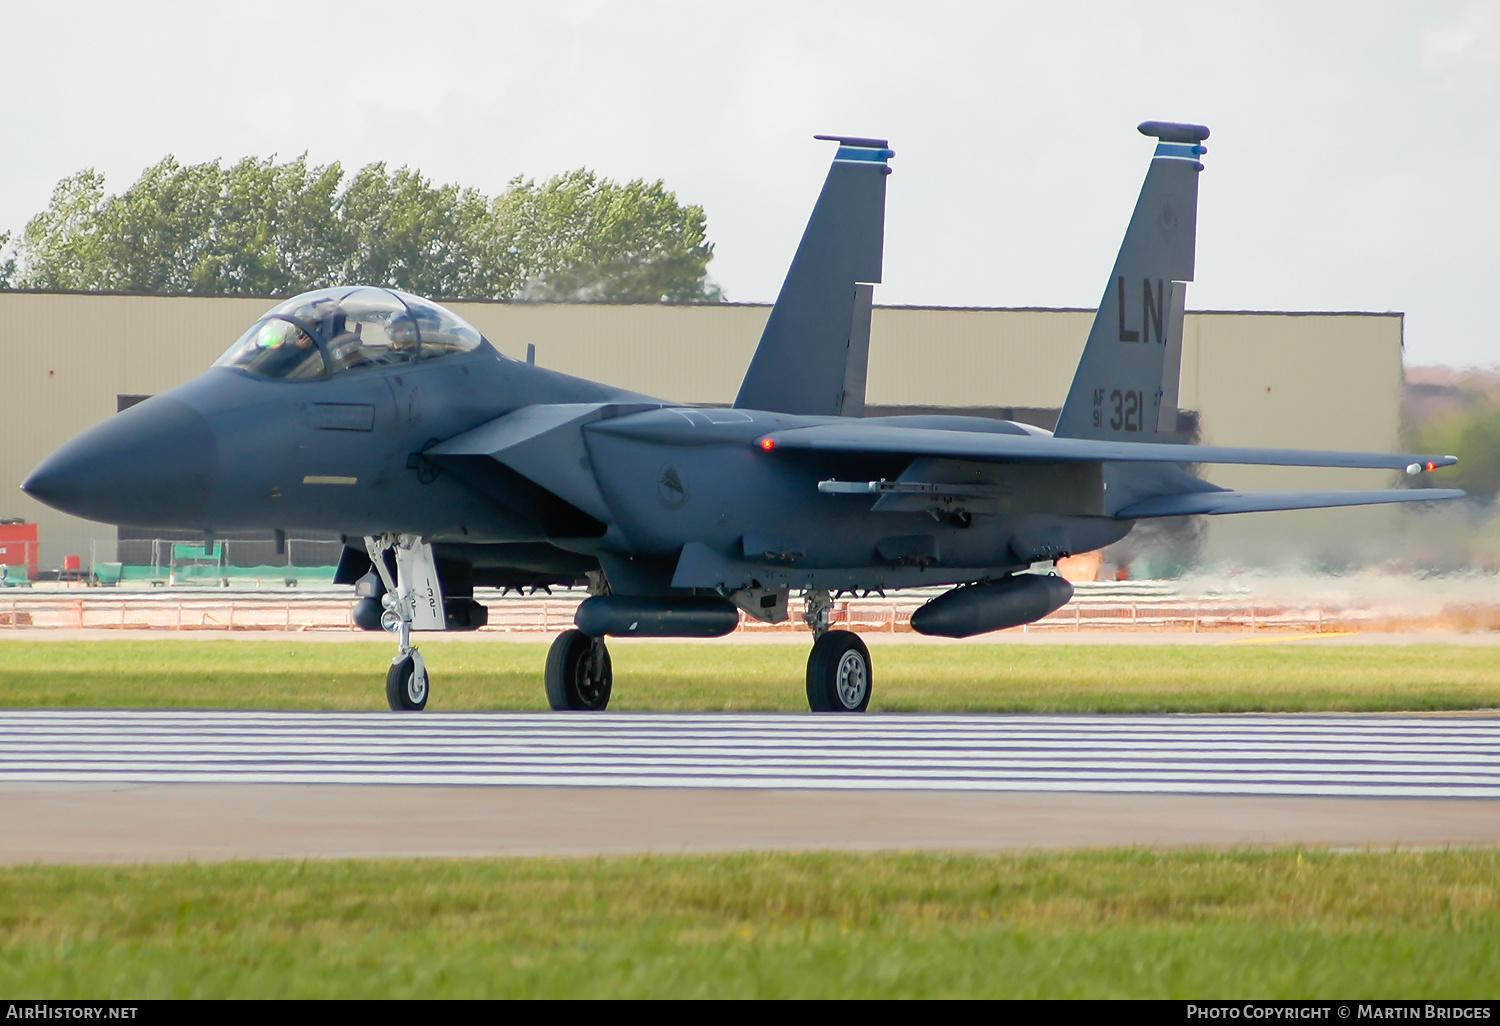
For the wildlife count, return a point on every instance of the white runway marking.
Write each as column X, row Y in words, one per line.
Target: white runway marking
column 1261, row 755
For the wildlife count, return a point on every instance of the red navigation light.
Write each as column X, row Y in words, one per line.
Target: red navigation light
column 1431, row 465
column 767, row 444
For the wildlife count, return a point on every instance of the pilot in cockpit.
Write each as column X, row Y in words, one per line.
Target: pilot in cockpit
column 355, row 329
column 404, row 335
column 286, row 347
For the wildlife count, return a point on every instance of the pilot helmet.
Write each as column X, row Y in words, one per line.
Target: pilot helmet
column 402, row 329
column 275, row 333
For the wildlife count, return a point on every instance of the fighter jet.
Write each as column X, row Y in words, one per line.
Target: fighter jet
column 446, row 465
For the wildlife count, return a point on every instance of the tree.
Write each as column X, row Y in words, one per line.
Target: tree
column 60, row 246
column 262, row 228
column 403, row 232
column 576, row 237
column 7, row 261
column 256, row 228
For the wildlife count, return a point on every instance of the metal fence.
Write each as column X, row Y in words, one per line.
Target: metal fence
column 236, row 555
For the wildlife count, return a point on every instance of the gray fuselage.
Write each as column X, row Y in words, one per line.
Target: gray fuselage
column 229, row 451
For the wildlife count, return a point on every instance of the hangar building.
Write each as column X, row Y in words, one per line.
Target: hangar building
column 1307, row 380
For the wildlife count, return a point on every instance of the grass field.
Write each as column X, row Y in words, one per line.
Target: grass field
column 1136, row 924
column 724, row 676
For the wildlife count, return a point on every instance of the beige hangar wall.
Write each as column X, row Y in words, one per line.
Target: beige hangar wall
column 1301, row 380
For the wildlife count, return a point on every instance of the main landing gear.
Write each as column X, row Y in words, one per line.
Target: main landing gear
column 406, row 683
column 579, row 674
column 839, row 675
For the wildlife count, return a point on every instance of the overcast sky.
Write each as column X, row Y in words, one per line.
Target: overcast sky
column 1354, row 162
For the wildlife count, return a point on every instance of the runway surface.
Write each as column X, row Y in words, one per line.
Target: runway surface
column 162, row 786
column 1346, row 756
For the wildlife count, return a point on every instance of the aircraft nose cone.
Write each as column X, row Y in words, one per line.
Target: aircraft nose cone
column 155, row 465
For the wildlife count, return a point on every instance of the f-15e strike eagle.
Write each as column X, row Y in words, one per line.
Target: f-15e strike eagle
column 446, row 465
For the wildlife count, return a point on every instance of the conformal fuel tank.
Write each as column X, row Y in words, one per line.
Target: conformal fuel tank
column 630, row 616
column 981, row 608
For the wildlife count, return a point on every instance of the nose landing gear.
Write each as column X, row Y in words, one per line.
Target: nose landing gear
column 413, row 599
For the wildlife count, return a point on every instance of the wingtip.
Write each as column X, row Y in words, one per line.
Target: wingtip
column 1430, row 463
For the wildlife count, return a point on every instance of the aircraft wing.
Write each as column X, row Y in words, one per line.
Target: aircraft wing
column 869, row 436
column 543, row 443
column 1213, row 503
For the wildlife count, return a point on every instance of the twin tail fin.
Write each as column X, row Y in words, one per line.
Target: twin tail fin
column 814, row 351
column 1125, row 388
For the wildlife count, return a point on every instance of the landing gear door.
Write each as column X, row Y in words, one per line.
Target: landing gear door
column 416, row 575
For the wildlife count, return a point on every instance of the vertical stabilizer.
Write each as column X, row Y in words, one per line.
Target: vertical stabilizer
column 1126, row 385
column 813, row 354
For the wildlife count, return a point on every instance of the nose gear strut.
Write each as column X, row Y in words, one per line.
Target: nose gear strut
column 412, row 600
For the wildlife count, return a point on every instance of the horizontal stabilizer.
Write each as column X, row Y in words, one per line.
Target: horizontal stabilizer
column 1214, row 503
column 870, row 436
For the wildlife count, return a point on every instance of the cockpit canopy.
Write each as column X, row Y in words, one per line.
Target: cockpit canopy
column 346, row 329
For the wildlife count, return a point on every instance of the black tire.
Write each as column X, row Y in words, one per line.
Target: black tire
column 572, row 683
column 839, row 674
column 404, row 690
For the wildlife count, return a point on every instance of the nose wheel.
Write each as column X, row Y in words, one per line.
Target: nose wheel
column 406, row 683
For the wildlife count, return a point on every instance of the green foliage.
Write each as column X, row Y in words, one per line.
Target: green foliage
column 402, row 231
column 7, row 261
column 579, row 238
column 1145, row 924
column 62, row 243
column 167, row 673
column 262, row 228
